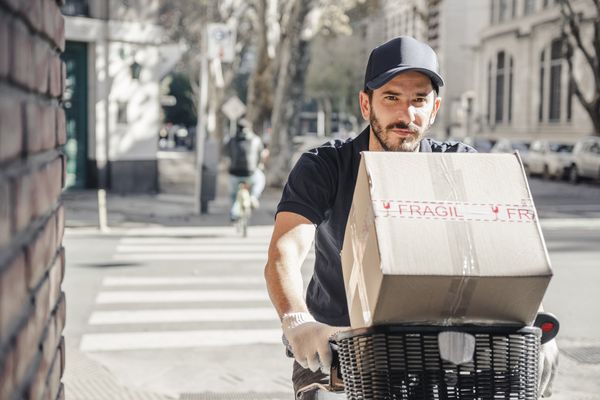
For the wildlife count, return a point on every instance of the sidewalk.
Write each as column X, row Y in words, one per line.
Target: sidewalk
column 161, row 209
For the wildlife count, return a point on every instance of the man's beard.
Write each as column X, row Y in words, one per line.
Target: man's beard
column 385, row 137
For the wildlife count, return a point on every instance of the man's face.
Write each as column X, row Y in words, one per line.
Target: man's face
column 400, row 112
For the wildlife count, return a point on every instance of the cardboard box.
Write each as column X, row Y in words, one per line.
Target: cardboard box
column 443, row 238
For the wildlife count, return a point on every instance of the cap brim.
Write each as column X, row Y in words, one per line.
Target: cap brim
column 388, row 75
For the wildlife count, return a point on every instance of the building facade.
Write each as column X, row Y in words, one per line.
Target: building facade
column 523, row 88
column 114, row 60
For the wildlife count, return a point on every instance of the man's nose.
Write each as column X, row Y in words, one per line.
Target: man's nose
column 406, row 113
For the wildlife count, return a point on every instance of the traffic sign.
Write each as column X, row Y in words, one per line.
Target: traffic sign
column 221, row 42
column 233, row 108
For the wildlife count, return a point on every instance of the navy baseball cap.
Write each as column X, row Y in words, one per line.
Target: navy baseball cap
column 399, row 55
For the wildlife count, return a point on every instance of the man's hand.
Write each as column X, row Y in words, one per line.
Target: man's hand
column 548, row 365
column 309, row 340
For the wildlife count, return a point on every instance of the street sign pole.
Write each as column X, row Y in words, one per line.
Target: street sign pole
column 201, row 129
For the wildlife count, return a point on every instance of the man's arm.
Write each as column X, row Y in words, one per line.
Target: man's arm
column 309, row 340
column 292, row 237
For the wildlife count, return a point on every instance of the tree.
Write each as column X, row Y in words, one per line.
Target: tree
column 574, row 26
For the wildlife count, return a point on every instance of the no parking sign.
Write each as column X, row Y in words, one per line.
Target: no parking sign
column 221, row 42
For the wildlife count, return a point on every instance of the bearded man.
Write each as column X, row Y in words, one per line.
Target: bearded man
column 400, row 99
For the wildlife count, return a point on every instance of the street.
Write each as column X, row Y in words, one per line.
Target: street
column 182, row 312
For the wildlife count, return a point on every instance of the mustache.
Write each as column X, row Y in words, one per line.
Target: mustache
column 402, row 125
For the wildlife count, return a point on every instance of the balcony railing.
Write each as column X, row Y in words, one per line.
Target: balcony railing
column 78, row 8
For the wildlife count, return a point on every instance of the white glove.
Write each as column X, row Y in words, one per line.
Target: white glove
column 548, row 365
column 309, row 340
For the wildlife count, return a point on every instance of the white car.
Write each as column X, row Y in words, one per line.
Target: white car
column 586, row 159
column 549, row 159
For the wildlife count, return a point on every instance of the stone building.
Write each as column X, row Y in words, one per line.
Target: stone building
column 522, row 78
column 32, row 259
column 115, row 57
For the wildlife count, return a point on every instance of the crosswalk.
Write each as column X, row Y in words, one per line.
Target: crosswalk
column 188, row 291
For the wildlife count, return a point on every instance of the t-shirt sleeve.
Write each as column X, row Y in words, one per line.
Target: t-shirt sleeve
column 310, row 188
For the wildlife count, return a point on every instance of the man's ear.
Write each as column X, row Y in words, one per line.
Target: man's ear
column 365, row 105
column 436, row 106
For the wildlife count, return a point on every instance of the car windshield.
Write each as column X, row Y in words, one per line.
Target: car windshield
column 521, row 146
column 561, row 148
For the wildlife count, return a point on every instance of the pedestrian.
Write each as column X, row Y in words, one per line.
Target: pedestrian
column 245, row 151
column 400, row 100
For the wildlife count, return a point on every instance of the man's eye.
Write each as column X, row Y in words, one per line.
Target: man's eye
column 420, row 100
column 391, row 98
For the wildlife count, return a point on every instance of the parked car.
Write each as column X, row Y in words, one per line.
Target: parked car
column 482, row 145
column 549, row 159
column 585, row 162
column 510, row 145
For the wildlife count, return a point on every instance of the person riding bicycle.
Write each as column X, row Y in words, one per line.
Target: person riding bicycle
column 245, row 151
column 400, row 100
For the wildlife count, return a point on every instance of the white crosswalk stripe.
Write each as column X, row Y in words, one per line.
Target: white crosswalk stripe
column 154, row 303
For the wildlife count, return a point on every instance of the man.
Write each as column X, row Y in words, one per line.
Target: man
column 245, row 151
column 400, row 100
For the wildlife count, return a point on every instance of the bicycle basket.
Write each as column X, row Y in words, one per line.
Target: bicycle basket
column 403, row 362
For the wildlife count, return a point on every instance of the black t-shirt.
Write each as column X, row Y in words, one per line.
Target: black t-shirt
column 320, row 187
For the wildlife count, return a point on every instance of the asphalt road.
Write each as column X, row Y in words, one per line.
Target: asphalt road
column 182, row 312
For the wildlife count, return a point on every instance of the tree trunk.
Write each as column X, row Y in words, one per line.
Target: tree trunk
column 294, row 59
column 260, row 86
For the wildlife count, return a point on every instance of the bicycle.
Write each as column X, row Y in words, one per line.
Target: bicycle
column 243, row 207
column 416, row 362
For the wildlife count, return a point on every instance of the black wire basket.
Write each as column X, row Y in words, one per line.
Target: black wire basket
column 403, row 362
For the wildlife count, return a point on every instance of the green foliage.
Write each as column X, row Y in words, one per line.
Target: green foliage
column 183, row 112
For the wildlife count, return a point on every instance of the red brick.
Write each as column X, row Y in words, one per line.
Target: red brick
column 48, row 126
column 39, row 253
column 7, row 372
column 51, row 341
column 11, row 128
column 61, row 127
column 42, row 307
column 38, row 384
column 5, row 49
column 23, row 202
column 55, row 179
column 41, row 58
column 60, row 313
column 5, row 219
column 21, row 70
column 32, row 10
column 59, row 32
column 56, row 76
column 55, row 278
column 13, row 295
column 60, row 225
column 61, row 349
column 54, row 377
column 33, row 127
column 27, row 346
column 49, row 21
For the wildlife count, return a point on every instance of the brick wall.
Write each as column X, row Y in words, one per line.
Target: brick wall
column 32, row 170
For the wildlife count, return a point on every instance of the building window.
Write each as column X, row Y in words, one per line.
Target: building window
column 555, row 100
column 555, row 79
column 489, row 95
column 499, row 114
column 528, row 7
column 500, row 88
column 541, row 88
column 513, row 11
column 493, row 12
column 503, row 9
